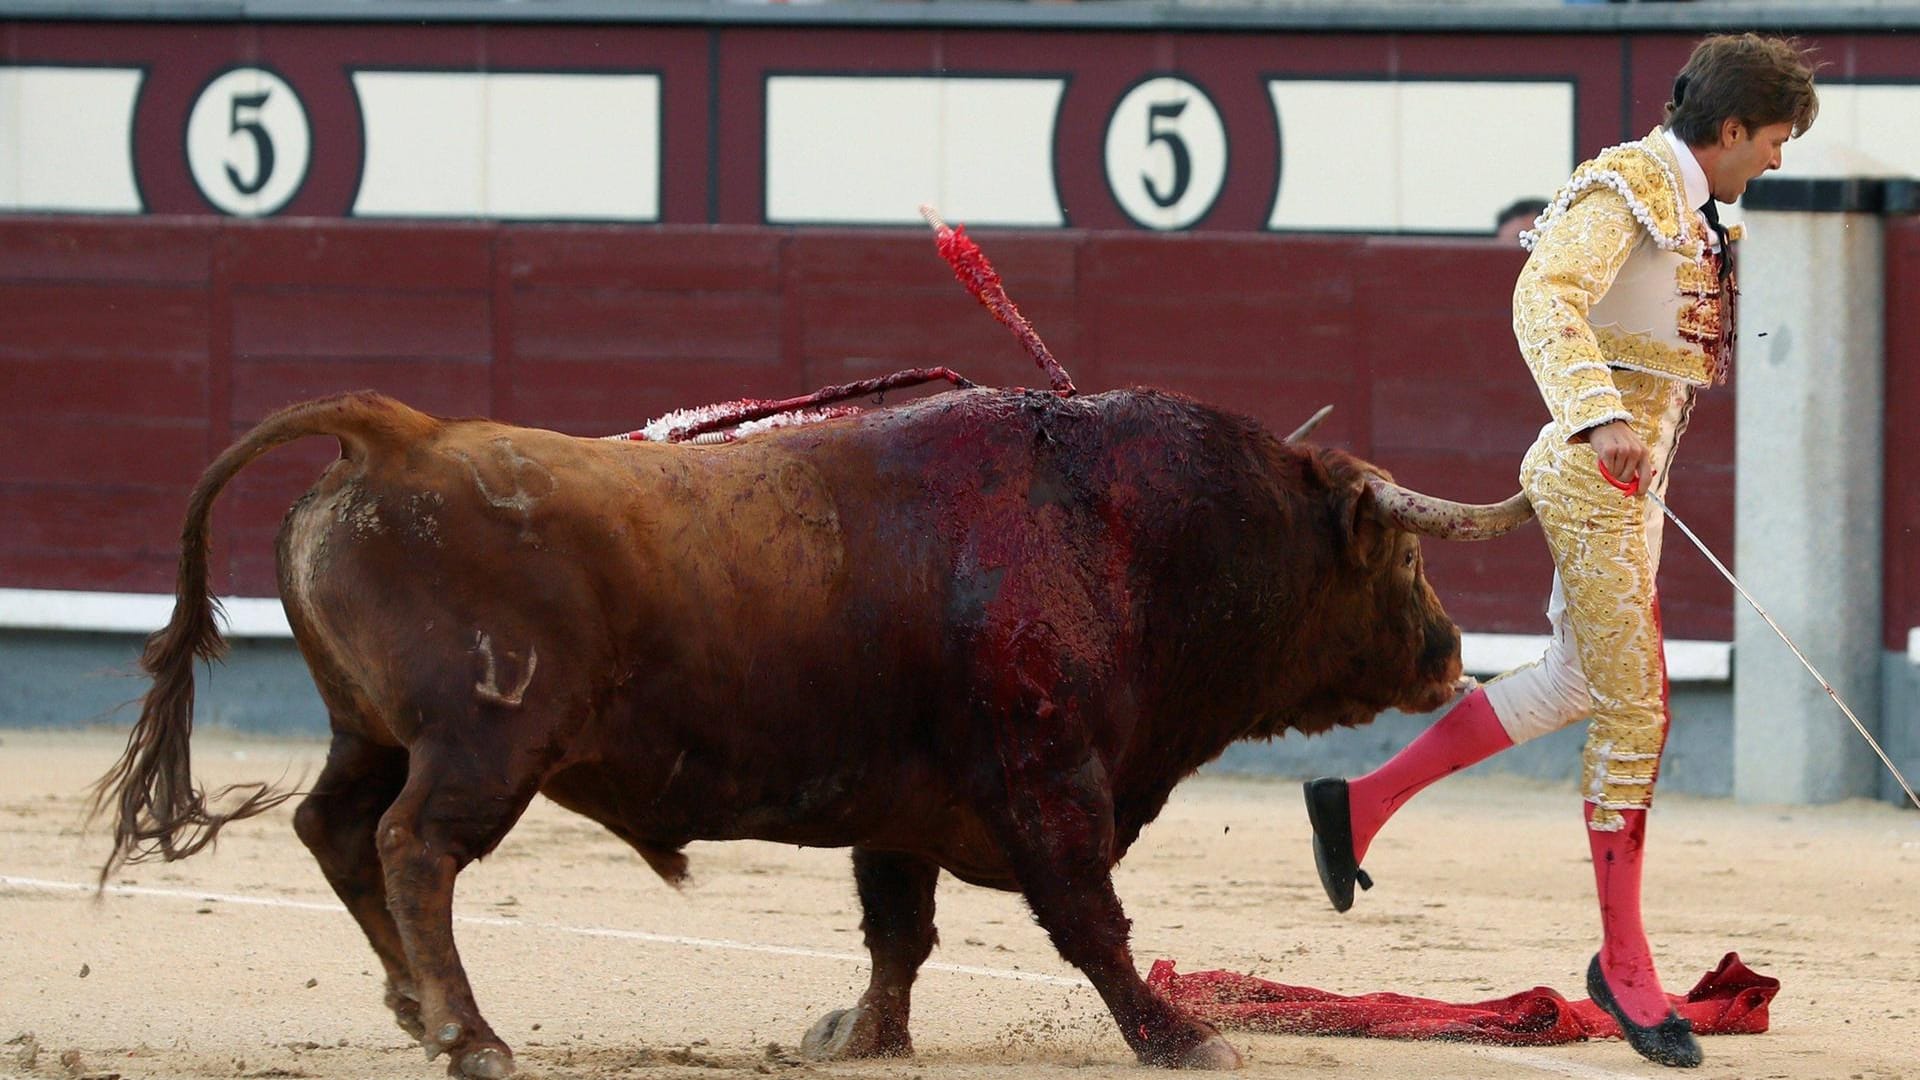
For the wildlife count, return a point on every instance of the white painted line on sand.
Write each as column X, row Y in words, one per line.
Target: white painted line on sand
column 1542, row 1062
column 528, row 924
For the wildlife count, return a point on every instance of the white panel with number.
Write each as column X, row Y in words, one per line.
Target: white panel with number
column 510, row 145
column 871, row 150
column 66, row 139
column 248, row 142
column 1416, row 155
column 1165, row 153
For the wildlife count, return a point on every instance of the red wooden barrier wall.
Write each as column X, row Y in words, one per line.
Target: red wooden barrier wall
column 134, row 349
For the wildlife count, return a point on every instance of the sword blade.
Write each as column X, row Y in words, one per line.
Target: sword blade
column 1808, row 664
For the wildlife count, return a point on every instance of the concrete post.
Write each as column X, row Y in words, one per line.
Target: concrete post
column 1807, row 517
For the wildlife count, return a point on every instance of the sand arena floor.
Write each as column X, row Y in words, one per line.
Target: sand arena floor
column 239, row 963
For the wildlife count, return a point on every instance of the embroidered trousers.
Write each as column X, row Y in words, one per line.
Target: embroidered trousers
column 1605, row 658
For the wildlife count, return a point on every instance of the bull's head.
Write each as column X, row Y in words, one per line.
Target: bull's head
column 1396, row 518
column 1403, row 650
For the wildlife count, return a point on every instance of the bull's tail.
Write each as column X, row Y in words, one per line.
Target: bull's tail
column 158, row 810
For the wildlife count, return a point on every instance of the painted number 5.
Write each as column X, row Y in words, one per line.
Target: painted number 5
column 1170, row 178
column 1166, row 133
column 246, row 118
column 248, row 142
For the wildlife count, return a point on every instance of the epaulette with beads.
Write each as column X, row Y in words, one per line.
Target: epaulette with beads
column 1642, row 175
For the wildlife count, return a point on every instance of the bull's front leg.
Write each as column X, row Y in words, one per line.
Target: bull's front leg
column 1057, row 827
column 896, row 900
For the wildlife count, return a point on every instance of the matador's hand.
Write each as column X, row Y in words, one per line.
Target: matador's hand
column 1620, row 449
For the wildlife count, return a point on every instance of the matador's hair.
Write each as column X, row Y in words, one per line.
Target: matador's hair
column 1757, row 81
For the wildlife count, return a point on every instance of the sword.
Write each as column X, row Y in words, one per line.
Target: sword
column 1635, row 489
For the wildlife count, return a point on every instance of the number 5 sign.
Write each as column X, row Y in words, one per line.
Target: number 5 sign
column 1166, row 153
column 248, row 142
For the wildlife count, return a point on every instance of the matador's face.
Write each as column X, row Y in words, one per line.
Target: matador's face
column 1746, row 153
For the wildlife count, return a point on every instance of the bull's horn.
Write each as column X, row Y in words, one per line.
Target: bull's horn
column 1313, row 421
column 1416, row 513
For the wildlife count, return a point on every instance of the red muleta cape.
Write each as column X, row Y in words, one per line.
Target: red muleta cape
column 1729, row 1000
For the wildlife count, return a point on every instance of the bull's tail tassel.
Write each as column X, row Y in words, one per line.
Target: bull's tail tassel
column 971, row 267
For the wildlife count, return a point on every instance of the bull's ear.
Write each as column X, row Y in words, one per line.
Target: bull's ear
column 1364, row 533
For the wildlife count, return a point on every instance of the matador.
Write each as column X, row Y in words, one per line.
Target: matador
column 1623, row 312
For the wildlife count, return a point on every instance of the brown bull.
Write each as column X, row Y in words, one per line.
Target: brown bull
column 986, row 632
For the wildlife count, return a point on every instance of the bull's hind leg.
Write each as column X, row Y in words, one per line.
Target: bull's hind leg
column 456, row 805
column 336, row 821
column 896, row 899
column 1057, row 828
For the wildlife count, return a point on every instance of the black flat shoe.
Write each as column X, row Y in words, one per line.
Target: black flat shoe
column 1332, row 823
column 1669, row 1042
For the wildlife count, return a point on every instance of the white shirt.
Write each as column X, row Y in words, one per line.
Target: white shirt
column 1693, row 179
column 1643, row 300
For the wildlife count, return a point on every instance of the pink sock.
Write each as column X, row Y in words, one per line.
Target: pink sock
column 1469, row 733
column 1625, row 957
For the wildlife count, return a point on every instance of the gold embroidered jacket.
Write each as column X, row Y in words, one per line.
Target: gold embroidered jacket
column 1621, row 276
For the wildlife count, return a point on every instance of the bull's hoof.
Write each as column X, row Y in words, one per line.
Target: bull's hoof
column 485, row 1063
column 852, row 1033
column 827, row 1038
column 442, row 1041
column 1215, row 1053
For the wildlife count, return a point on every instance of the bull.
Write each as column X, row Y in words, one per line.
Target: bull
column 984, row 632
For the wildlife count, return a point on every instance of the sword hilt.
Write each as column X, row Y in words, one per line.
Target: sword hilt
column 1631, row 489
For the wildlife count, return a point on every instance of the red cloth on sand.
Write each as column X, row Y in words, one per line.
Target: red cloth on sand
column 1729, row 1000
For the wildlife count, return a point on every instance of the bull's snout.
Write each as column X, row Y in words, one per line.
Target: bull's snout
column 1438, row 667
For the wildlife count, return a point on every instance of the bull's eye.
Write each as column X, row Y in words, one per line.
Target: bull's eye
column 1411, row 556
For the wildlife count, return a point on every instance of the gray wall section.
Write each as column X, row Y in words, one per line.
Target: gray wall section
column 1482, row 16
column 70, row 680
column 1810, row 406
column 1899, row 723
